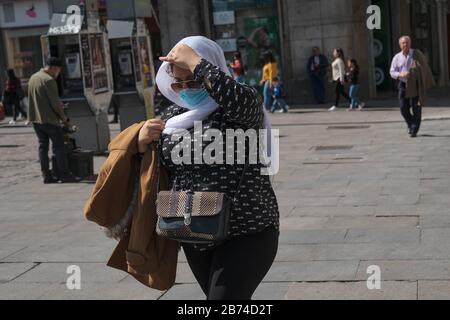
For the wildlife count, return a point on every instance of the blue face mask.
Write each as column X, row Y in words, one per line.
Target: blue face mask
column 193, row 97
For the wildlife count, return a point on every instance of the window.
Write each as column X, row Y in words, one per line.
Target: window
column 8, row 12
column 250, row 27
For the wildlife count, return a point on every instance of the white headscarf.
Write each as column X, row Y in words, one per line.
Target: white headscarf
column 212, row 52
column 208, row 50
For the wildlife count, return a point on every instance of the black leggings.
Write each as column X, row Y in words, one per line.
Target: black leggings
column 233, row 270
column 341, row 92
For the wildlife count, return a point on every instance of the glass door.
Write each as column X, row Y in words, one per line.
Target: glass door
column 250, row 27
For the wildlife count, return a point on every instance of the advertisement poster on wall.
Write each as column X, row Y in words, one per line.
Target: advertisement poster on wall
column 99, row 73
column 261, row 35
column 145, row 60
column 146, row 71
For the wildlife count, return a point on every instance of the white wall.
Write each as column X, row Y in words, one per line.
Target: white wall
column 22, row 19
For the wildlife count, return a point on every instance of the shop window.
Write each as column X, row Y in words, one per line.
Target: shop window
column 250, row 27
column 27, row 56
column 8, row 12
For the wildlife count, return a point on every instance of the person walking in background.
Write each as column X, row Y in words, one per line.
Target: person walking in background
column 411, row 68
column 237, row 66
column 46, row 113
column 338, row 67
column 12, row 96
column 317, row 69
column 353, row 78
column 278, row 101
column 270, row 71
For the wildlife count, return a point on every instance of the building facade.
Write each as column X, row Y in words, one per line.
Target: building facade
column 21, row 25
column 290, row 28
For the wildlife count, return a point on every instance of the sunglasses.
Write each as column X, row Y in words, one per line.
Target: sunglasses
column 190, row 84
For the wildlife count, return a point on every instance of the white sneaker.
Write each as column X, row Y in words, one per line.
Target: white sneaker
column 333, row 108
column 12, row 122
column 27, row 123
column 20, row 118
column 280, row 111
column 361, row 106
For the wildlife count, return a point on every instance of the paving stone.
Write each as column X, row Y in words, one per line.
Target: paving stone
column 312, row 271
column 433, row 290
column 302, row 223
column 334, row 211
column 57, row 273
column 10, row 271
column 24, row 291
column 359, row 200
column 63, row 237
column 408, row 269
column 185, row 291
column 436, row 236
column 102, row 291
column 7, row 250
column 400, row 199
column 311, row 236
column 435, row 221
column 401, row 235
column 442, row 199
column 410, row 210
column 390, row 290
column 56, row 253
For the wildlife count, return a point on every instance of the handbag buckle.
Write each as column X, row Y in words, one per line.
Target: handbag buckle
column 187, row 219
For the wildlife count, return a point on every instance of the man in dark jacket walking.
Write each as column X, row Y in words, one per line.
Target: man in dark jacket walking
column 317, row 69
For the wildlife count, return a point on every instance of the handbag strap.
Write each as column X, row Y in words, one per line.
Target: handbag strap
column 158, row 170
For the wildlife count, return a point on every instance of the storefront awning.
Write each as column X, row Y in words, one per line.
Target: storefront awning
column 119, row 29
column 64, row 24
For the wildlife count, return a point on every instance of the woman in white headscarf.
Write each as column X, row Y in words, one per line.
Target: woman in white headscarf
column 195, row 77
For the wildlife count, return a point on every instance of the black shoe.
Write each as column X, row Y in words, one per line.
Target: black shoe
column 70, row 179
column 50, row 179
column 114, row 121
column 413, row 134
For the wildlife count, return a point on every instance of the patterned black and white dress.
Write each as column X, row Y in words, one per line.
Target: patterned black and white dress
column 239, row 108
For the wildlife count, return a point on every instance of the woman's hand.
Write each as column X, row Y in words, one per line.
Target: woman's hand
column 183, row 56
column 150, row 131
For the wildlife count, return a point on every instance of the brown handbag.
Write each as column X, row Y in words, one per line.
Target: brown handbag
column 194, row 217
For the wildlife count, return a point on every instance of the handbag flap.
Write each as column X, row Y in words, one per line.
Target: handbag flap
column 172, row 204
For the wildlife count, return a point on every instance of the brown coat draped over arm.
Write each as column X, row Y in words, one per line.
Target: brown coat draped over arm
column 420, row 78
column 150, row 259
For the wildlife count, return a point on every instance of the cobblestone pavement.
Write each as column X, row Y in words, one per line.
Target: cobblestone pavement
column 353, row 189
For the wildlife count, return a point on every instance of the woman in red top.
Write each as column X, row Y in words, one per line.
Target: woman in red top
column 238, row 68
